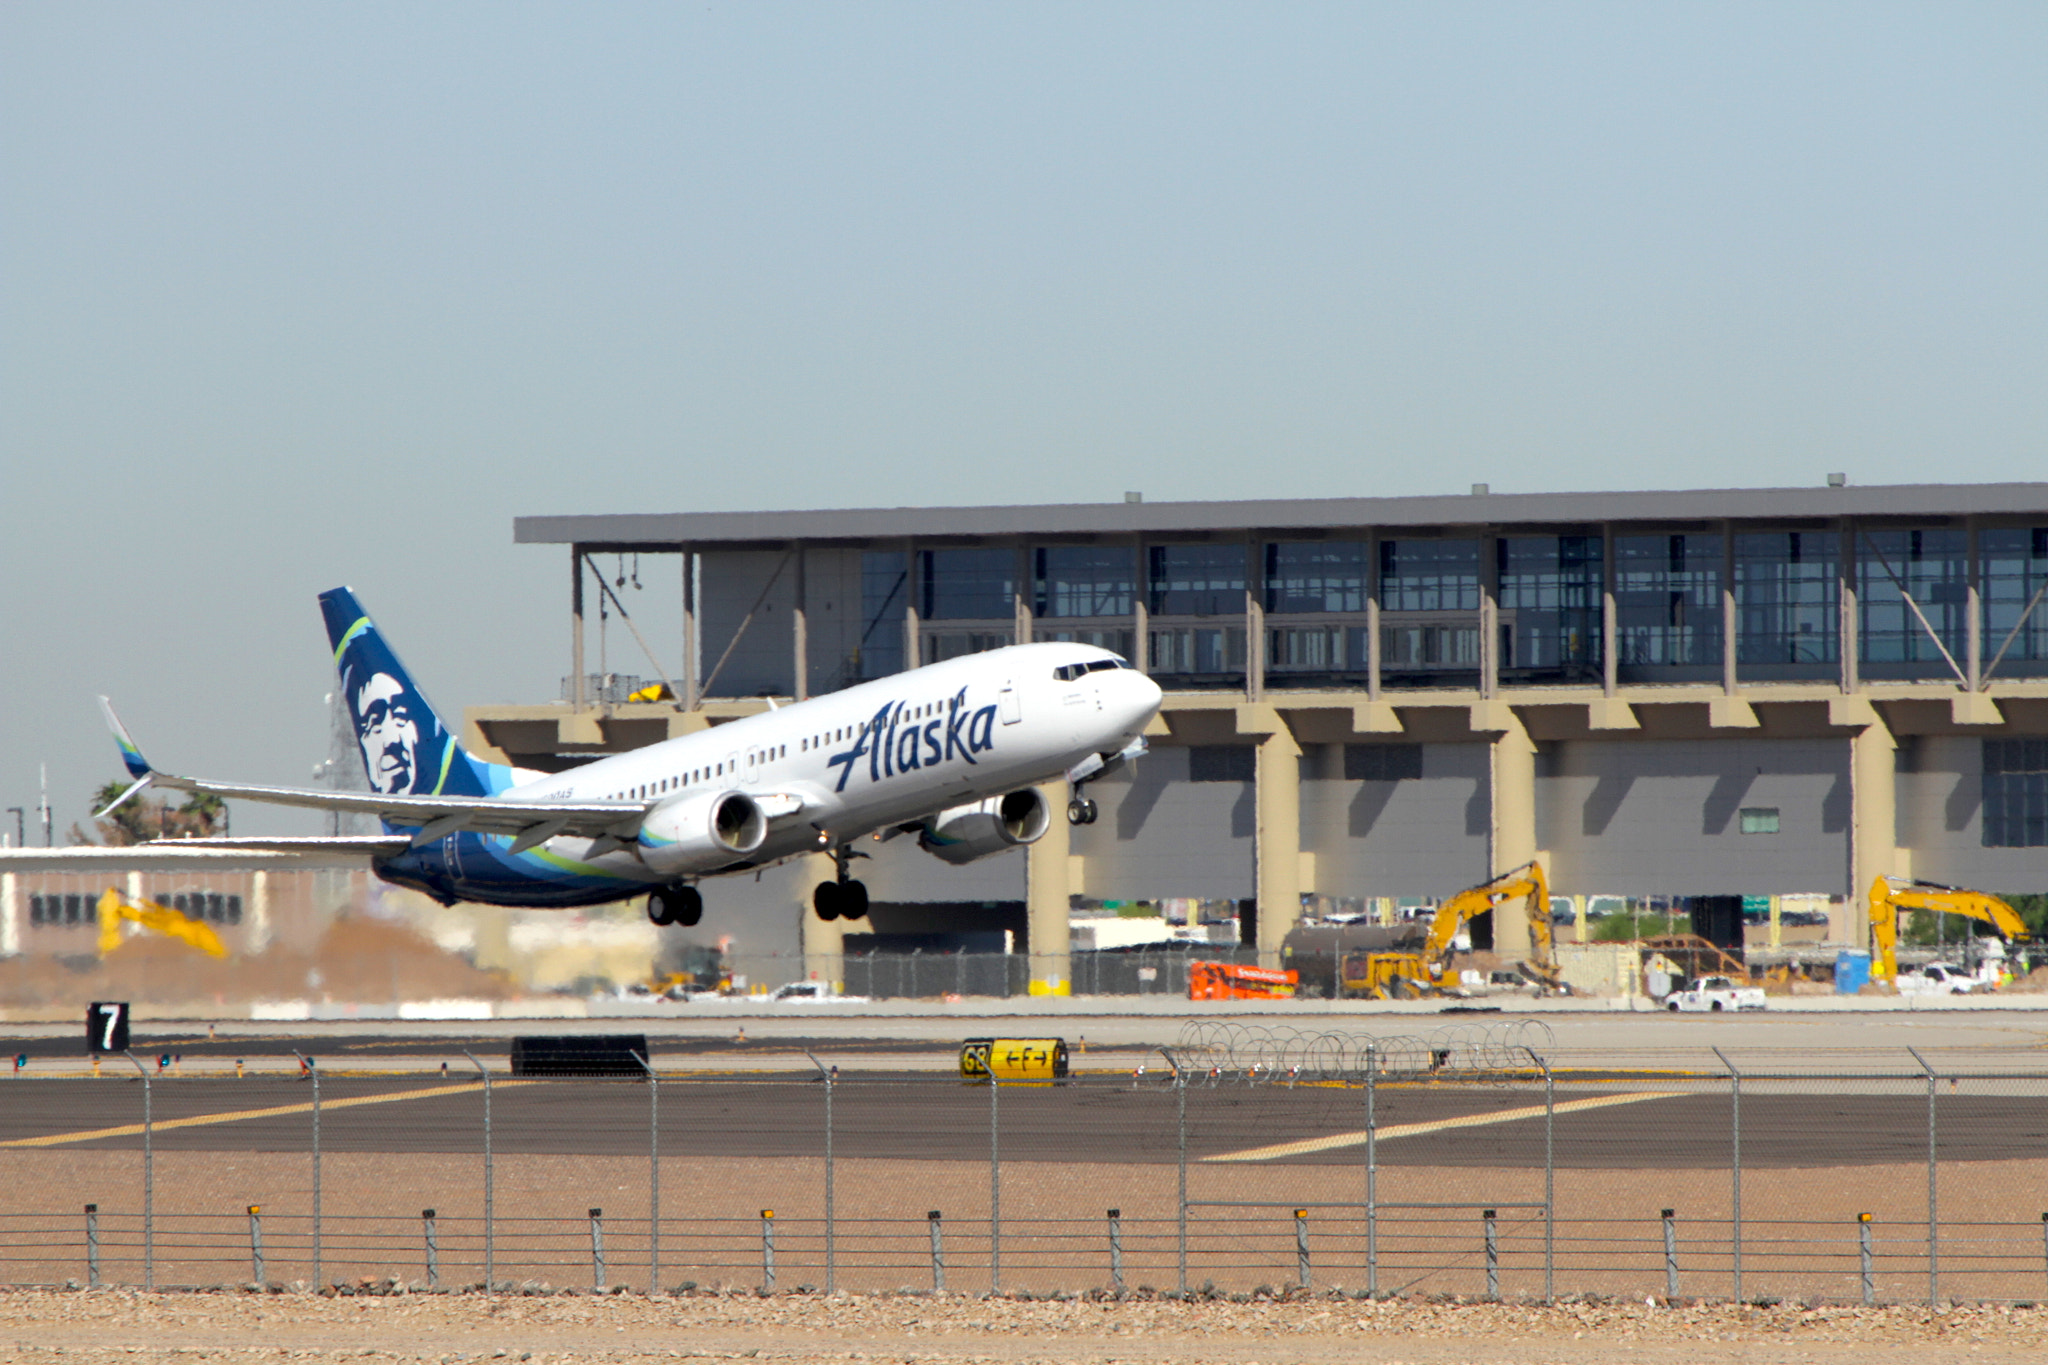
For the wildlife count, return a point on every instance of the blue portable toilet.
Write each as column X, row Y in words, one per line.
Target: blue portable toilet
column 1852, row 972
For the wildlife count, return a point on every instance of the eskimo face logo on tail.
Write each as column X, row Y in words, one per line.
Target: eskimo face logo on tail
column 893, row 743
column 388, row 730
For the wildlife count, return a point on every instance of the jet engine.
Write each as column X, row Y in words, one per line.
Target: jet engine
column 699, row 831
column 965, row 833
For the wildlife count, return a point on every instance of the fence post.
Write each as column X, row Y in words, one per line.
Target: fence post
column 490, row 1185
column 768, row 1250
column 148, row 1178
column 938, row 1254
column 831, row 1078
column 433, row 1249
column 597, row 1248
column 1671, row 1253
column 1372, row 1174
column 653, row 1174
column 256, row 1244
column 1933, row 1224
column 1116, row 1248
column 995, row 1189
column 1735, row 1163
column 312, row 1071
column 1180, row 1100
column 1492, row 1253
column 92, row 1244
column 1549, row 1182
column 1863, row 1247
column 1301, row 1248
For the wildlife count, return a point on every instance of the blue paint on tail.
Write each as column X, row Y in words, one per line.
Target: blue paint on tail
column 407, row 749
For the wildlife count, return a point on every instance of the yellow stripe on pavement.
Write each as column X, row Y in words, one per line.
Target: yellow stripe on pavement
column 1399, row 1130
column 241, row 1115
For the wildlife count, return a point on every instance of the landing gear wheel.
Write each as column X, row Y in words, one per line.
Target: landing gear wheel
column 1082, row 810
column 1093, row 810
column 660, row 909
column 853, row 903
column 826, row 900
column 687, row 907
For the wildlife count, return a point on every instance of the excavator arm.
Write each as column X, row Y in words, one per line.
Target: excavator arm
column 1888, row 897
column 1526, row 882
column 161, row 918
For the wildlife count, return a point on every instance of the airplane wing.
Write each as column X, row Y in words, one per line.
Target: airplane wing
column 372, row 844
column 436, row 817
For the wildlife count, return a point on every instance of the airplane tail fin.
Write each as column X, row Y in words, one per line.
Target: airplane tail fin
column 406, row 747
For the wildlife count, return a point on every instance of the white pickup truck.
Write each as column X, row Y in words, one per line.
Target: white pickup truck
column 812, row 993
column 1936, row 978
column 1715, row 994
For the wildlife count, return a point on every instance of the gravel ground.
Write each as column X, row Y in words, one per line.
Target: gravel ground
column 45, row 1326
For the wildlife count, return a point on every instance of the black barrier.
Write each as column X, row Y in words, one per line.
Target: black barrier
column 600, row 1054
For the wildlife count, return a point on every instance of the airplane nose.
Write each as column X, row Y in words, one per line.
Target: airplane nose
column 1146, row 696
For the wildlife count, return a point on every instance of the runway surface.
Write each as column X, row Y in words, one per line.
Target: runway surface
column 1636, row 1124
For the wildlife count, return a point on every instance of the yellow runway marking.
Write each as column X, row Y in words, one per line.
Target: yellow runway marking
column 1399, row 1130
column 240, row 1115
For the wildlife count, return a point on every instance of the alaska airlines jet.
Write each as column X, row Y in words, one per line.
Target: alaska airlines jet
column 952, row 753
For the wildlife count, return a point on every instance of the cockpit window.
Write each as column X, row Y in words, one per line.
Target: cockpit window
column 1070, row 672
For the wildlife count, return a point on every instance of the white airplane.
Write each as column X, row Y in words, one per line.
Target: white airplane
column 952, row 752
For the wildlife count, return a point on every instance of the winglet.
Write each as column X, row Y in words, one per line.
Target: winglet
column 138, row 766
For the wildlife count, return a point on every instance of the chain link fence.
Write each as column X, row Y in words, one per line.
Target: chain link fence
column 1242, row 1159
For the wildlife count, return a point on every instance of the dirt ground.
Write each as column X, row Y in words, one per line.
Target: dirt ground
column 44, row 1327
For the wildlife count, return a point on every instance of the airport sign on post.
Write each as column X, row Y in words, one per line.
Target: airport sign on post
column 106, row 1026
column 1014, row 1059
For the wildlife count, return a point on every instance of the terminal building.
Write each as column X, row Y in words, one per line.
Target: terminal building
column 1718, row 692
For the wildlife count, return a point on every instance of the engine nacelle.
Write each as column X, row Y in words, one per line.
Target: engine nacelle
column 964, row 833
column 699, row 831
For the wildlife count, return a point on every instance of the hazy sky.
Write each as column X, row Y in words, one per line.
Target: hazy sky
column 300, row 295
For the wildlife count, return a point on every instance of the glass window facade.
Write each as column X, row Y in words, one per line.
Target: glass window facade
column 1550, row 605
column 1317, row 576
column 1667, row 602
column 967, row 585
column 2015, row 793
column 1195, row 580
column 1787, row 606
column 2014, row 571
column 884, row 601
column 1085, row 580
column 1429, row 575
column 1934, row 566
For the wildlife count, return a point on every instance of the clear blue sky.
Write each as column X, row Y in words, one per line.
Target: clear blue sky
column 297, row 295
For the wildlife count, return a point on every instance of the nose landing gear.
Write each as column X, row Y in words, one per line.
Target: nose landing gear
column 1082, row 810
column 842, row 897
column 677, row 904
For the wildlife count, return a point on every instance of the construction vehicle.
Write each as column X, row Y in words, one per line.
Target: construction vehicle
column 114, row 908
column 1386, row 976
column 1890, row 895
column 1230, row 981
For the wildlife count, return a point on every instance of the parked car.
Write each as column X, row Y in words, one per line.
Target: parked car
column 1715, row 994
column 814, row 993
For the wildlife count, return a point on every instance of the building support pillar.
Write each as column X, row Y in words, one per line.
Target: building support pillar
column 1873, row 819
column 1047, row 901
column 10, row 914
column 1276, row 795
column 824, row 944
column 1513, row 825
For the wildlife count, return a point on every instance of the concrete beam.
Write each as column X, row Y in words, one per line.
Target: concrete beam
column 1611, row 713
column 1852, row 712
column 1731, row 713
column 1493, row 716
column 1974, row 708
column 1376, row 718
column 580, row 729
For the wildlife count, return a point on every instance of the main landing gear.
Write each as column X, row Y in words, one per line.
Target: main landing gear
column 842, row 897
column 677, row 904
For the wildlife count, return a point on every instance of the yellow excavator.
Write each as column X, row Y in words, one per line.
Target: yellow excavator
column 1385, row 975
column 1890, row 895
column 114, row 908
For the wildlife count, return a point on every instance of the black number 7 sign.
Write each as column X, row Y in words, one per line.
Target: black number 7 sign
column 106, row 1026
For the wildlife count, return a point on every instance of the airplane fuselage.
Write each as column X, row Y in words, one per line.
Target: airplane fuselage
column 823, row 772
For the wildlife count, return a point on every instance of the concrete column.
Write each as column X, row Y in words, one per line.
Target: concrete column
column 259, row 910
column 1873, row 828
column 1277, row 877
column 1372, row 616
column 1513, row 826
column 1610, row 660
column 799, row 632
column 911, row 653
column 1049, row 913
column 10, row 914
column 690, row 663
column 1973, row 623
column 576, row 693
column 824, row 944
column 1731, row 616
